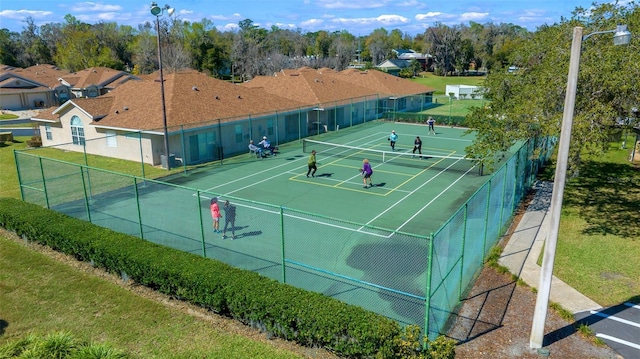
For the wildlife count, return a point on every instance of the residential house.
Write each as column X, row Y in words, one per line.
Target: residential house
column 393, row 66
column 35, row 87
column 425, row 60
column 95, row 81
column 335, row 102
column 209, row 119
column 43, row 86
column 128, row 122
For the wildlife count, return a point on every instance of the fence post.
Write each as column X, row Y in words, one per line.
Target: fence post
column 486, row 221
column 135, row 188
column 204, row 247
column 184, row 150
column 87, row 202
column 282, row 241
column 44, row 183
column 464, row 243
column 428, row 290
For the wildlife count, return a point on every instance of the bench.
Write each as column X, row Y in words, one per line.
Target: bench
column 6, row 136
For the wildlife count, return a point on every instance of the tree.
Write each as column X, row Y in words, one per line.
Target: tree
column 444, row 47
column 8, row 47
column 531, row 101
column 378, row 45
column 33, row 49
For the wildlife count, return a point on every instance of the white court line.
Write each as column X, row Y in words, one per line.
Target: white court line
column 621, row 341
column 620, row 320
column 264, row 171
column 380, row 164
column 412, row 192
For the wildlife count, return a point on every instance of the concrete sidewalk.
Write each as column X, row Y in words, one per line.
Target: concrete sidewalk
column 524, row 248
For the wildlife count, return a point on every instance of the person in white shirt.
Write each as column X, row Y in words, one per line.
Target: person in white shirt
column 266, row 145
column 255, row 149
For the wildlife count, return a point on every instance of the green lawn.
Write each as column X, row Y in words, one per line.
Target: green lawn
column 440, row 82
column 7, row 116
column 41, row 295
column 598, row 241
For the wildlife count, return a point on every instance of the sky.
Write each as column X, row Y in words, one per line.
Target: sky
column 358, row 17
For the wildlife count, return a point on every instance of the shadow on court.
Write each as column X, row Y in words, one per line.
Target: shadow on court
column 324, row 175
column 398, row 266
column 248, row 234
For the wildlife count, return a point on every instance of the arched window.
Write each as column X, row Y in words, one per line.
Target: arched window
column 77, row 131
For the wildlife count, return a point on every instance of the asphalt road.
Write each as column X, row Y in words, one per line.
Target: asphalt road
column 618, row 326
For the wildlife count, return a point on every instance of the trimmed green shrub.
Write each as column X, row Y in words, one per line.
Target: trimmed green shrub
column 280, row 310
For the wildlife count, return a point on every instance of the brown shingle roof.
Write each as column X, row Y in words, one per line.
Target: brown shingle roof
column 46, row 74
column 309, row 86
column 382, row 83
column 98, row 76
column 190, row 98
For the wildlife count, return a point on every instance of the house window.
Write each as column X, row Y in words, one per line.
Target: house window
column 270, row 127
column 238, row 133
column 111, row 139
column 77, row 131
column 47, row 131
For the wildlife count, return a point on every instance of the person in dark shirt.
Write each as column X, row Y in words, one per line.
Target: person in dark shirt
column 229, row 219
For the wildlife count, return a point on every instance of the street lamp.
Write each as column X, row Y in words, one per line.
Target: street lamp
column 621, row 37
column 157, row 12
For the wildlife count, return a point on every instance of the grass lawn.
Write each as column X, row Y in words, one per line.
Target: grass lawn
column 41, row 295
column 7, row 116
column 440, row 82
column 598, row 246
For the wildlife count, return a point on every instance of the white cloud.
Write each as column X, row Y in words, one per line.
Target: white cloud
column 229, row 27
column 311, row 23
column 353, row 4
column 473, row 16
column 285, row 26
column 428, row 16
column 23, row 14
column 92, row 6
column 382, row 19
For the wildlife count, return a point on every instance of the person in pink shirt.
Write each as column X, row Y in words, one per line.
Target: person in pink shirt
column 215, row 214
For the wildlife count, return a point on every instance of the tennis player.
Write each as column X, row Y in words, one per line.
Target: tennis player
column 393, row 137
column 417, row 146
column 312, row 164
column 215, row 214
column 229, row 219
column 431, row 122
column 367, row 171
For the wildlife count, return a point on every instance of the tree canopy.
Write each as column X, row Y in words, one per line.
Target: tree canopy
column 530, row 101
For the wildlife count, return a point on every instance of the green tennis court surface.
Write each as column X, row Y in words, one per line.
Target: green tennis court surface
column 410, row 194
column 328, row 234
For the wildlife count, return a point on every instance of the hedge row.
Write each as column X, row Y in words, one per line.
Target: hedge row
column 308, row 318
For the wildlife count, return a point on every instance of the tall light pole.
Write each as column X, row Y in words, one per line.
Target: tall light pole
column 157, row 12
column 621, row 37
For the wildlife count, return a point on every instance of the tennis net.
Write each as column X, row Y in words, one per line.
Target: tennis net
column 441, row 161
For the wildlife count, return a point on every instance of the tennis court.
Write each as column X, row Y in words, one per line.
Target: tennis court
column 366, row 246
column 413, row 194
